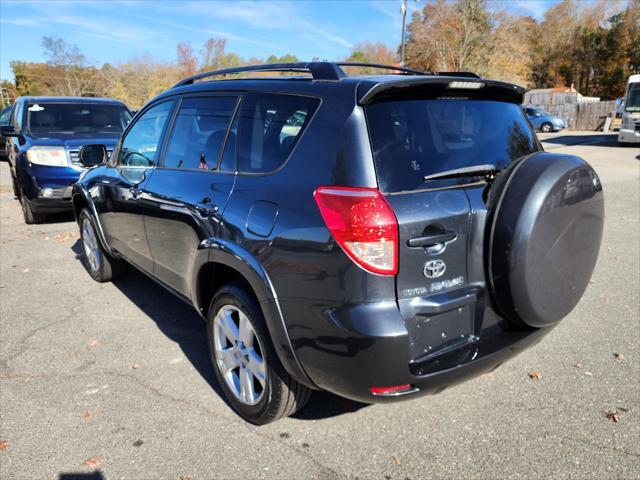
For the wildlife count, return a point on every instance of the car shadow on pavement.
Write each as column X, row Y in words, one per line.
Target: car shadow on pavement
column 596, row 139
column 97, row 475
column 180, row 323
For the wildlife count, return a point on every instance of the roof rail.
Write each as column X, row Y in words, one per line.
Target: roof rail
column 318, row 70
column 402, row 70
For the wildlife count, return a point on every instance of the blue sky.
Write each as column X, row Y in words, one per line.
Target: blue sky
column 114, row 31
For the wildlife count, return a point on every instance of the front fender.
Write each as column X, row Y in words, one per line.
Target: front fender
column 241, row 260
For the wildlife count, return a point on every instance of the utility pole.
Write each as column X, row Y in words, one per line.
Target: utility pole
column 403, row 10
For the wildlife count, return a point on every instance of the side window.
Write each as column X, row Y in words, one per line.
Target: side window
column 17, row 117
column 199, row 132
column 269, row 128
column 141, row 144
column 4, row 117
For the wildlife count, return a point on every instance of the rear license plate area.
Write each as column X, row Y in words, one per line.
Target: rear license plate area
column 431, row 335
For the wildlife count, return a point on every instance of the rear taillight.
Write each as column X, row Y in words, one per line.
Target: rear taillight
column 363, row 224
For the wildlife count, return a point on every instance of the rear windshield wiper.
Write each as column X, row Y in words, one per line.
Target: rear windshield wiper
column 473, row 171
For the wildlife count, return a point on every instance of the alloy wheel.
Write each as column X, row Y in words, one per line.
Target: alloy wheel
column 90, row 243
column 239, row 355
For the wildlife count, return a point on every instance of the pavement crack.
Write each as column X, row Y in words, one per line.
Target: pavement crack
column 24, row 341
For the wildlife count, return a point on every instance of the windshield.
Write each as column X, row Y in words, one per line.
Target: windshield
column 69, row 118
column 632, row 104
column 412, row 139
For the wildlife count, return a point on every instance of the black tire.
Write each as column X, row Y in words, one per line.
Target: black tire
column 105, row 268
column 14, row 184
column 281, row 395
column 30, row 217
column 546, row 127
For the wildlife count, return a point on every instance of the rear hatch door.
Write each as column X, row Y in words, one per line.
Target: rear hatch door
column 413, row 138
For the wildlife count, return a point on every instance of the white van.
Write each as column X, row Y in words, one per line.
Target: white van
column 630, row 129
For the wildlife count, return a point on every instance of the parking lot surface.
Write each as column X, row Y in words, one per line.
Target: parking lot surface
column 114, row 381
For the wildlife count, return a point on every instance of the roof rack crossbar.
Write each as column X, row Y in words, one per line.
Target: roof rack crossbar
column 318, row 70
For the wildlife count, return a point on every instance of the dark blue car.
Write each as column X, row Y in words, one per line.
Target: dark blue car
column 43, row 139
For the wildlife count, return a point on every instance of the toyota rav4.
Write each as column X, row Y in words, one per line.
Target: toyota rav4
column 379, row 236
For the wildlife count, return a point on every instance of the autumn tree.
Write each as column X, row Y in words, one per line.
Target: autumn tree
column 187, row 61
column 449, row 36
column 69, row 63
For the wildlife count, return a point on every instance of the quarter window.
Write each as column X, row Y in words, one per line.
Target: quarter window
column 269, row 128
column 140, row 146
column 199, row 132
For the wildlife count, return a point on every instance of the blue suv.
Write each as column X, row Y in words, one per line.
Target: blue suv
column 43, row 138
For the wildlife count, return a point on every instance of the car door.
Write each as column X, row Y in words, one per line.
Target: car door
column 131, row 167
column 184, row 199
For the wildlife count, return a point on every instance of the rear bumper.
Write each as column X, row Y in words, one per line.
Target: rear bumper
column 628, row 136
column 368, row 345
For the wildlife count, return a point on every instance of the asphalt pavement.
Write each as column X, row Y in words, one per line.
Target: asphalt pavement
column 113, row 380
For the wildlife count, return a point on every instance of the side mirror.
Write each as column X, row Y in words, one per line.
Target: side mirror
column 93, row 155
column 8, row 131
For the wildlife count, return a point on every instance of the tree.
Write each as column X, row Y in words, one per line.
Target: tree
column 449, row 36
column 71, row 75
column 212, row 53
column 371, row 52
column 187, row 61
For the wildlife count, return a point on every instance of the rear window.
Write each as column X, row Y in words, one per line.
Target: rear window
column 415, row 138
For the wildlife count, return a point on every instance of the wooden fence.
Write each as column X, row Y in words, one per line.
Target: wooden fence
column 582, row 116
column 580, row 113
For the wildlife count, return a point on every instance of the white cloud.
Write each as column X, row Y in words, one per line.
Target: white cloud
column 281, row 15
column 21, row 22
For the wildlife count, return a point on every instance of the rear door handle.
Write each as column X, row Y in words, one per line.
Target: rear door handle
column 432, row 240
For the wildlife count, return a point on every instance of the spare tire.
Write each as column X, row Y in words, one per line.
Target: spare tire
column 544, row 232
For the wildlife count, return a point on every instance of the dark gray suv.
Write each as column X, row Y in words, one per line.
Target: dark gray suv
column 379, row 236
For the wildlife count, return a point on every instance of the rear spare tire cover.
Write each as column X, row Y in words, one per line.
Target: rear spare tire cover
column 544, row 236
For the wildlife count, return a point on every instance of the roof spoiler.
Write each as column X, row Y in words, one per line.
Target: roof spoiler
column 441, row 86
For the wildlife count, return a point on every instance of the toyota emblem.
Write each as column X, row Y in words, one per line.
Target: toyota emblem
column 434, row 268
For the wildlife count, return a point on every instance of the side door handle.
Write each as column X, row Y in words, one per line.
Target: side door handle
column 432, row 240
column 205, row 207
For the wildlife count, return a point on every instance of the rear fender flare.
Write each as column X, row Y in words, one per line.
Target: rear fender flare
column 241, row 260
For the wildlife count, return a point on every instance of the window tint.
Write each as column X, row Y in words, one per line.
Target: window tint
column 228, row 162
column 414, row 138
column 269, row 128
column 17, row 117
column 199, row 132
column 4, row 117
column 140, row 146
